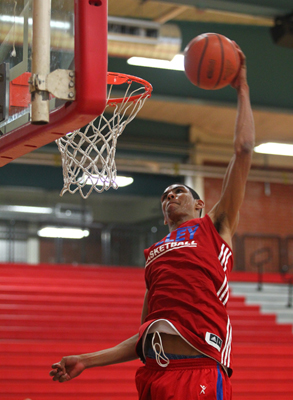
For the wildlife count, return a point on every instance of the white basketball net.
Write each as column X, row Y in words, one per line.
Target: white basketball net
column 88, row 154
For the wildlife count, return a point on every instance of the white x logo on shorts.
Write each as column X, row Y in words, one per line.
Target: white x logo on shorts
column 203, row 388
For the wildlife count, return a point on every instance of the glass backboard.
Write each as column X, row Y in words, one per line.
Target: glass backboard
column 76, row 28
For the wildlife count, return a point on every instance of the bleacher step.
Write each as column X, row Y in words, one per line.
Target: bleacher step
column 50, row 311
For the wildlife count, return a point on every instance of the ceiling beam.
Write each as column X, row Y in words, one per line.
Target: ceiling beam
column 257, row 8
column 265, row 174
column 170, row 14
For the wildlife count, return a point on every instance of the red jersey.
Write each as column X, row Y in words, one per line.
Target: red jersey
column 186, row 276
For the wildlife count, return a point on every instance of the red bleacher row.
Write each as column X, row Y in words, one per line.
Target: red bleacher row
column 48, row 311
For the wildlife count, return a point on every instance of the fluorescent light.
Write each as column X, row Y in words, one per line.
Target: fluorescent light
column 60, row 25
column 20, row 20
column 176, row 64
column 121, row 181
column 65, row 233
column 27, row 209
column 12, row 19
column 281, row 149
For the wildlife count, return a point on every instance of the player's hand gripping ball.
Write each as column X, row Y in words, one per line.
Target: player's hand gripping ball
column 211, row 61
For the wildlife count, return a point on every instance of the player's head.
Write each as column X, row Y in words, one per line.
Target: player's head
column 185, row 199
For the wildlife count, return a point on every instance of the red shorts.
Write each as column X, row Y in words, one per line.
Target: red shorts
column 187, row 379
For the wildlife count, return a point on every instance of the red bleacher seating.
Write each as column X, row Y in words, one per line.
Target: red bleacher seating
column 48, row 311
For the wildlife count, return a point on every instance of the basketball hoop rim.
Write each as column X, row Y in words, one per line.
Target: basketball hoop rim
column 117, row 78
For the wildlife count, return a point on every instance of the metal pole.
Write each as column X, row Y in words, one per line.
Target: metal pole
column 58, row 250
column 260, row 277
column 11, row 242
column 40, row 60
column 106, row 245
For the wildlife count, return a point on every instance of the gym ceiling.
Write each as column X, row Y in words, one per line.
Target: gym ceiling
column 182, row 125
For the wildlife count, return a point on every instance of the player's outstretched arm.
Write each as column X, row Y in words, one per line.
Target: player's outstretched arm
column 225, row 212
column 72, row 366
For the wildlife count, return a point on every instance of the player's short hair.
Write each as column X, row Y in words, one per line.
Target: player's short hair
column 193, row 192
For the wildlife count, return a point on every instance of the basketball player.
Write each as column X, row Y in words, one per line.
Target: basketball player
column 185, row 336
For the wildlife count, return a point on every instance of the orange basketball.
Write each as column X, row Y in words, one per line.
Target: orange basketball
column 211, row 61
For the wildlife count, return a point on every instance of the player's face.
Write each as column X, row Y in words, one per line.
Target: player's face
column 177, row 201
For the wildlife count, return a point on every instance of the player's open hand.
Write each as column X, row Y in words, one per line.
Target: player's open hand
column 67, row 369
column 240, row 79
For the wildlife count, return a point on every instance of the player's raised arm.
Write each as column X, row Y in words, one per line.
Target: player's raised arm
column 225, row 212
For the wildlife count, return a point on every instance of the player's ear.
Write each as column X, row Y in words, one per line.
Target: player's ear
column 199, row 204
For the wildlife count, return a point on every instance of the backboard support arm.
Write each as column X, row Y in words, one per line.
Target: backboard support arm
column 40, row 61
